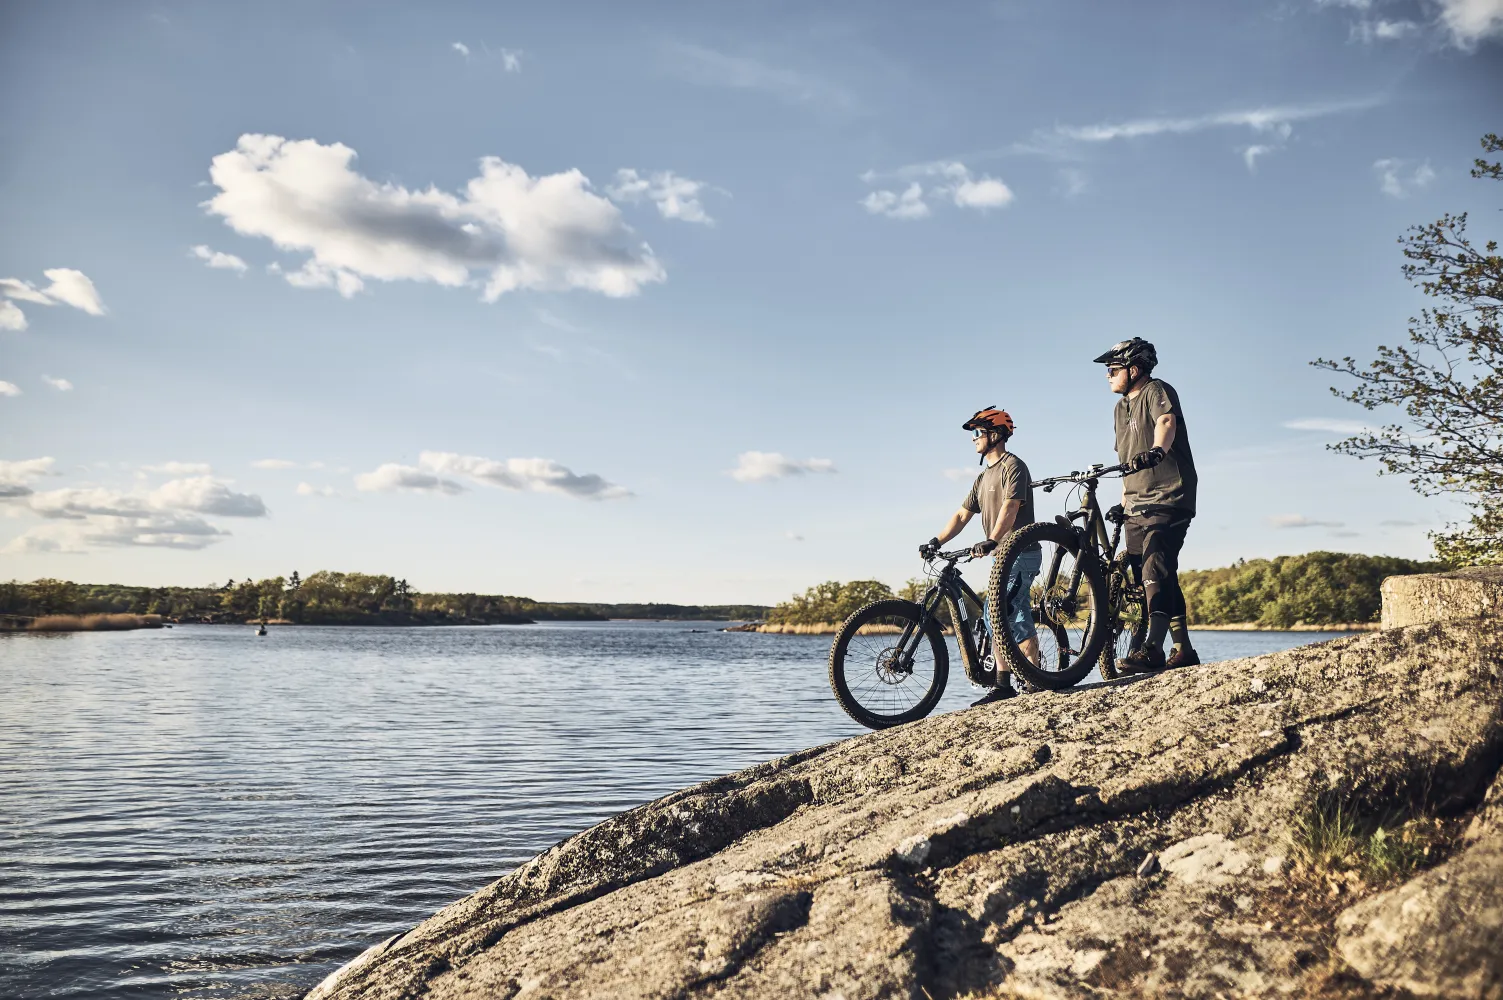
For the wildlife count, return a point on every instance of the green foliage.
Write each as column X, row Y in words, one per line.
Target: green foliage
column 1318, row 588
column 1334, row 837
column 1447, row 380
column 828, row 602
column 330, row 598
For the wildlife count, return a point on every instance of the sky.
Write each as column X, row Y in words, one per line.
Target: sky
column 687, row 302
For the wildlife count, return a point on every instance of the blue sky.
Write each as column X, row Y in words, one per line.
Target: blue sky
column 688, row 302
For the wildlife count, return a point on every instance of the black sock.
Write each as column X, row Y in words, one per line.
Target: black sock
column 1158, row 627
column 1179, row 627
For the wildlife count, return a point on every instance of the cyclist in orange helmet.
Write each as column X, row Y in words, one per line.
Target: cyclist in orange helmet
column 1003, row 496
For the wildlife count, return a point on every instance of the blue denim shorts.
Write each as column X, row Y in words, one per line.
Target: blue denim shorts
column 1025, row 569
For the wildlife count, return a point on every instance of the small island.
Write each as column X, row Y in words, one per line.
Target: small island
column 323, row 598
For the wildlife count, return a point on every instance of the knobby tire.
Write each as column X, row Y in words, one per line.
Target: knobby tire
column 1093, row 590
column 850, row 677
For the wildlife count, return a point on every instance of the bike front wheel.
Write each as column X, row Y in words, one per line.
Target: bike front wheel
column 1064, row 608
column 884, row 669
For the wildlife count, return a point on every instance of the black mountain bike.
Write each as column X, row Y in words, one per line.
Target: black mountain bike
column 1087, row 601
column 889, row 661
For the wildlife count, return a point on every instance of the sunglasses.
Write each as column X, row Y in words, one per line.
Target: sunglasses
column 1114, row 369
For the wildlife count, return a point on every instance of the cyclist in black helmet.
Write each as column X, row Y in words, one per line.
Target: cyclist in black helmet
column 1158, row 496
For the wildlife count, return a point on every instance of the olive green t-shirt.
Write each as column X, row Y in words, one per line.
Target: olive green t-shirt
column 1006, row 479
column 1171, row 483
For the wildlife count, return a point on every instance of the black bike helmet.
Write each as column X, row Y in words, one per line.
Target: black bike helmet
column 1136, row 351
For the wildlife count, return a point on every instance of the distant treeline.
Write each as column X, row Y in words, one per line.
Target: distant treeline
column 330, row 598
column 1318, row 588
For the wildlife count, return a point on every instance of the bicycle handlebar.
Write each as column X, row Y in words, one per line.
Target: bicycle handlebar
column 953, row 556
column 1094, row 472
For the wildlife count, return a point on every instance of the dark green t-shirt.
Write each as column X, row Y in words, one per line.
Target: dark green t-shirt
column 1005, row 479
column 1170, row 484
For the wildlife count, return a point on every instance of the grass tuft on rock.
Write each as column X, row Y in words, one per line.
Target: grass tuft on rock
column 1335, row 839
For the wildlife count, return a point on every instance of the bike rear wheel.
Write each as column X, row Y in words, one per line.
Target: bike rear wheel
column 884, row 670
column 1067, row 601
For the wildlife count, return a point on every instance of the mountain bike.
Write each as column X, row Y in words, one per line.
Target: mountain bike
column 1087, row 601
column 889, row 661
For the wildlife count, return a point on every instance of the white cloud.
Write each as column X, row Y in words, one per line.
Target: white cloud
column 511, row 60
column 1277, row 120
column 170, row 530
column 75, row 289
column 391, row 477
column 908, row 205
column 1471, row 21
column 23, row 291
column 1250, row 156
column 1367, row 32
column 971, row 192
column 1301, row 521
column 67, row 286
column 676, row 197
column 218, row 260
column 309, row 490
column 988, row 192
column 959, row 475
column 1396, row 183
column 531, row 474
column 180, row 468
column 9, row 389
column 719, row 69
column 539, row 475
column 26, row 469
column 273, row 463
column 81, row 518
column 15, row 475
column 11, row 316
column 206, row 495
column 954, row 182
column 461, row 48
column 517, row 231
column 756, row 466
column 1343, row 427
column 60, row 384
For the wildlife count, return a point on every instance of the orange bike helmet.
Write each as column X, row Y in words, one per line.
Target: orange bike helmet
column 989, row 419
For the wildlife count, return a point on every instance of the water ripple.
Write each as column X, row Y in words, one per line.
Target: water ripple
column 199, row 812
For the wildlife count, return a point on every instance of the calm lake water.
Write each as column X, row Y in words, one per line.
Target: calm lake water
column 198, row 812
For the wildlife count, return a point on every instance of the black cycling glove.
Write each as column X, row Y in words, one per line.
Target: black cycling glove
column 927, row 550
column 983, row 548
column 1147, row 460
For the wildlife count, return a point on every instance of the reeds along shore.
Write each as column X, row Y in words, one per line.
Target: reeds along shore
column 79, row 623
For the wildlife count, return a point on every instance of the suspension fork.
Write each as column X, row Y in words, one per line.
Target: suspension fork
column 913, row 632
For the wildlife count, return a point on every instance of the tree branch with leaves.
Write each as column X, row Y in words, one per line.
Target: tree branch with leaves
column 1448, row 380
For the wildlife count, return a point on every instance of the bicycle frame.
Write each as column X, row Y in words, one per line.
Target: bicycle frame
column 957, row 596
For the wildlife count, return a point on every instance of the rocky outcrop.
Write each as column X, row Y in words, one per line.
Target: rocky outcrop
column 1129, row 839
column 1433, row 597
